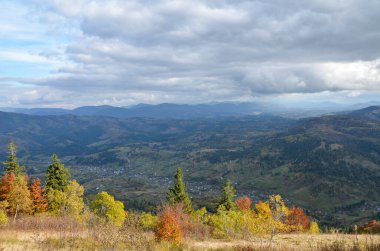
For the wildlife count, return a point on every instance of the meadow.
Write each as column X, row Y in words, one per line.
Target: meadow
column 56, row 233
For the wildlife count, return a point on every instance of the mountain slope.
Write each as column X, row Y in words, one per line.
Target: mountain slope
column 330, row 164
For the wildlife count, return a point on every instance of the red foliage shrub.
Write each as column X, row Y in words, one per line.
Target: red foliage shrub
column 372, row 227
column 297, row 217
column 171, row 224
column 6, row 186
column 243, row 203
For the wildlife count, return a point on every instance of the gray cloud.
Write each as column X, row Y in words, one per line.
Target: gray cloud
column 199, row 51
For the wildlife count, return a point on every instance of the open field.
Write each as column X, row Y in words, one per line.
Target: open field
column 86, row 239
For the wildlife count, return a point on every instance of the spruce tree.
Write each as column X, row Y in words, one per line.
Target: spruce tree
column 177, row 194
column 57, row 176
column 11, row 165
column 228, row 194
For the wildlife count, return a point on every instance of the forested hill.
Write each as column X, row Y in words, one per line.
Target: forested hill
column 329, row 165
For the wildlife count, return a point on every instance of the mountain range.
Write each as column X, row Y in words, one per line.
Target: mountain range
column 328, row 164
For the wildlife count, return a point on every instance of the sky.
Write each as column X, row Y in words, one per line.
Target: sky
column 79, row 52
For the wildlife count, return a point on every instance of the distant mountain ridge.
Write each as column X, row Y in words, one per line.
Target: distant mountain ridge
column 165, row 110
column 372, row 112
column 207, row 110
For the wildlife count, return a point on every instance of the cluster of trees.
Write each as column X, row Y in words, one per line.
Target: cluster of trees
column 233, row 218
column 59, row 196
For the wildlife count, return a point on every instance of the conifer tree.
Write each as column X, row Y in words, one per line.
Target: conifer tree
column 177, row 194
column 57, row 176
column 11, row 165
column 39, row 202
column 228, row 194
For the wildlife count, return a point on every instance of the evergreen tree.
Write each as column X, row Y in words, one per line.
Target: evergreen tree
column 228, row 194
column 177, row 194
column 11, row 165
column 57, row 176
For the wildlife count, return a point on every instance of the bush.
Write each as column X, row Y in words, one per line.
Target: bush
column 147, row 221
column 314, row 228
column 171, row 224
column 106, row 207
column 3, row 218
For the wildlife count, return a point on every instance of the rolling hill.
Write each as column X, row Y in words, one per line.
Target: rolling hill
column 330, row 165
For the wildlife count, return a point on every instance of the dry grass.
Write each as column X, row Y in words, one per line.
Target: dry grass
column 289, row 242
column 64, row 234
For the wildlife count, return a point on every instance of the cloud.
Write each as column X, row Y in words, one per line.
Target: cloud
column 122, row 52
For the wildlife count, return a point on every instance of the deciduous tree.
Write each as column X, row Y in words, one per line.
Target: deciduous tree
column 6, row 185
column 243, row 203
column 297, row 218
column 20, row 201
column 39, row 201
column 106, row 207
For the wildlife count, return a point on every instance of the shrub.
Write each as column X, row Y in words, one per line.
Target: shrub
column 171, row 224
column 243, row 203
column 147, row 221
column 106, row 207
column 3, row 218
column 297, row 219
column 314, row 228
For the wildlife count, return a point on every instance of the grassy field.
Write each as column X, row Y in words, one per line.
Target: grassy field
column 74, row 237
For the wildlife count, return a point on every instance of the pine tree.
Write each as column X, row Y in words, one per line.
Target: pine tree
column 177, row 194
column 11, row 165
column 57, row 176
column 40, row 203
column 228, row 194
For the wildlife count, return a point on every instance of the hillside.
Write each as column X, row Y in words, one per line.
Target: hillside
column 330, row 165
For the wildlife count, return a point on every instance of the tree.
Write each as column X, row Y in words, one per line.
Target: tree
column 68, row 202
column 6, row 186
column 170, row 224
column 39, row 201
column 243, row 203
column 177, row 194
column 74, row 203
column 297, row 218
column 57, row 176
column 106, row 207
column 279, row 213
column 11, row 165
column 228, row 194
column 19, row 200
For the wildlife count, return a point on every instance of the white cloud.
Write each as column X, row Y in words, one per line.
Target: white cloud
column 122, row 52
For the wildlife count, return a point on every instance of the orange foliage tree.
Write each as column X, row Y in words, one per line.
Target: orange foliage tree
column 171, row 224
column 297, row 218
column 243, row 203
column 39, row 202
column 6, row 186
